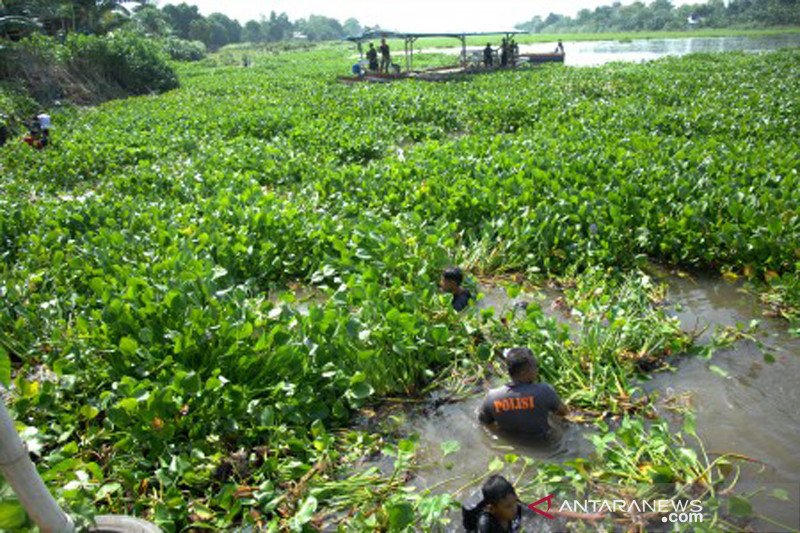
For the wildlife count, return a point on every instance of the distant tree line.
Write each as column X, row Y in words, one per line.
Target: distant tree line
column 662, row 15
column 57, row 17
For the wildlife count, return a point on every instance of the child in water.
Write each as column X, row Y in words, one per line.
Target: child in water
column 498, row 512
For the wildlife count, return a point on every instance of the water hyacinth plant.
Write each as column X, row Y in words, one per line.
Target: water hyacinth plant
column 152, row 373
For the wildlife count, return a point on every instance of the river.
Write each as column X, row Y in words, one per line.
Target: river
column 593, row 53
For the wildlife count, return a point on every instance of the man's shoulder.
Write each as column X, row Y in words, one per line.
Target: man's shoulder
column 486, row 523
column 502, row 390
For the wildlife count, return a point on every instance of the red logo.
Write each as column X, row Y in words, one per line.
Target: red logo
column 549, row 500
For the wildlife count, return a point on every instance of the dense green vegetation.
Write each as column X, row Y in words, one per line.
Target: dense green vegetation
column 155, row 372
column 19, row 18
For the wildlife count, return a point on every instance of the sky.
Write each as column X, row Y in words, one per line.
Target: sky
column 406, row 15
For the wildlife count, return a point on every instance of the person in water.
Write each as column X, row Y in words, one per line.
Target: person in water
column 498, row 512
column 452, row 278
column 522, row 407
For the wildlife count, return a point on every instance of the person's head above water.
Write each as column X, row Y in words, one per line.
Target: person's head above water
column 522, row 365
column 500, row 498
column 451, row 280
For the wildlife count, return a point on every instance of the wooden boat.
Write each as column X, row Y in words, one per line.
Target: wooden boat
column 373, row 77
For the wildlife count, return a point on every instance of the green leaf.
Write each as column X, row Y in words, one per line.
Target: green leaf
column 361, row 390
column 128, row 346
column 440, row 333
column 406, row 445
column 305, row 513
column 401, row 515
column 129, row 404
column 738, row 506
column 12, row 515
column 496, row 465
column 5, row 368
column 89, row 412
column 717, row 370
column 449, row 446
column 105, row 490
column 780, row 494
column 689, row 454
column 689, row 423
column 244, row 331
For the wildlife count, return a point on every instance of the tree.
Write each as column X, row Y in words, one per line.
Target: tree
column 200, row 30
column 352, row 27
column 319, row 28
column 231, row 28
column 660, row 14
column 151, row 21
column 181, row 17
column 277, row 27
column 251, row 33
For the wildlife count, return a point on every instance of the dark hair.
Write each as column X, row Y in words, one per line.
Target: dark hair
column 496, row 488
column 518, row 359
column 454, row 274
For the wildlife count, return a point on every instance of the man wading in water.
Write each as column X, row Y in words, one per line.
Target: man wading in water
column 452, row 278
column 521, row 408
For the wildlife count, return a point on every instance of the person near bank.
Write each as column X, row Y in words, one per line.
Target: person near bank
column 498, row 512
column 386, row 59
column 451, row 281
column 522, row 407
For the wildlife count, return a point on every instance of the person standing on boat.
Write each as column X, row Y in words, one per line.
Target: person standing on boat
column 560, row 48
column 522, row 407
column 372, row 57
column 488, row 55
column 504, row 52
column 386, row 59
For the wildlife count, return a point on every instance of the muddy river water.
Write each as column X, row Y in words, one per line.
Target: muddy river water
column 746, row 400
column 745, row 405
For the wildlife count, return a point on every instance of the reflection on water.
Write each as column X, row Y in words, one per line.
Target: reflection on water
column 593, row 53
column 753, row 411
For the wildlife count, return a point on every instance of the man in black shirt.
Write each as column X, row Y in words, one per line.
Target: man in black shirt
column 372, row 57
column 452, row 278
column 522, row 407
column 488, row 54
column 385, row 58
column 498, row 512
